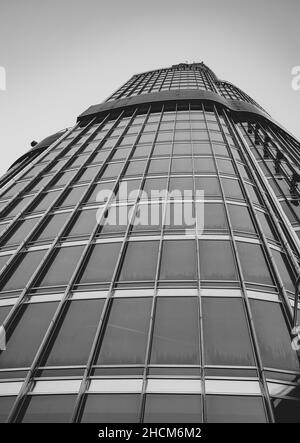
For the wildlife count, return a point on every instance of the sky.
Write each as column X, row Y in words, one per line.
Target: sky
column 61, row 56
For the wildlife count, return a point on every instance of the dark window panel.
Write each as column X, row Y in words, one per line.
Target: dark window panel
column 53, row 225
column 112, row 170
column 216, row 260
column 47, row 409
column 172, row 408
column 61, row 267
column 286, row 411
column 253, row 262
column 72, row 342
column 140, row 261
column 111, row 408
column 234, row 409
column 6, row 404
column 240, row 218
column 84, row 223
column 4, row 311
column 89, row 174
column 214, row 216
column 159, row 166
column 23, row 229
column 273, row 336
column 101, row 192
column 176, row 331
column 65, row 178
column 101, row 263
column 22, row 272
column 126, row 332
column 29, row 329
column 203, row 165
column 210, row 186
column 183, row 164
column 226, row 336
column 284, row 271
column 232, row 189
column 179, row 260
column 46, row 201
column 155, row 185
column 73, row 196
column 19, row 206
column 136, row 167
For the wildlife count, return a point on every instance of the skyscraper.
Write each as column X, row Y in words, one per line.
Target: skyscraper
column 115, row 309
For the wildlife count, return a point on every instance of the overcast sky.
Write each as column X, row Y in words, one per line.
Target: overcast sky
column 61, row 56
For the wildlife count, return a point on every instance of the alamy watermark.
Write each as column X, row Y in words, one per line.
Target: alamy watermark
column 296, row 78
column 177, row 209
column 2, row 79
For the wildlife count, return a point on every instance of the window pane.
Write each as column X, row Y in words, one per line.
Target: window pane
column 112, row 408
column 176, row 331
column 179, row 261
column 31, row 325
column 210, row 186
column 182, row 165
column 140, row 261
column 71, row 344
column 101, row 263
column 46, row 201
column 204, row 164
column 273, row 336
column 284, row 271
column 214, row 216
column 24, row 270
column 73, row 196
column 4, row 310
column 126, row 332
column 62, row 266
column 232, row 188
column 286, row 411
column 216, row 260
column 53, row 225
column 240, row 218
column 253, row 263
column 23, row 230
column 84, row 223
column 6, row 404
column 226, row 335
column 234, row 409
column 48, row 409
column 173, row 408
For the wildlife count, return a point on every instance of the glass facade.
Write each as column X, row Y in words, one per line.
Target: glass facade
column 115, row 309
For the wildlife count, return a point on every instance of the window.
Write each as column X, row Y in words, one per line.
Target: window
column 214, row 216
column 176, row 331
column 30, row 326
column 232, row 188
column 286, row 411
column 183, row 164
column 136, row 167
column 101, row 264
column 253, row 263
column 157, row 186
column 111, row 408
column 112, row 170
column 22, row 272
column 284, row 271
column 19, row 206
column 126, row 332
column 65, row 178
column 53, row 225
column 179, row 261
column 60, row 270
column 4, row 311
column 101, row 192
column 210, row 186
column 46, row 201
column 226, row 335
column 23, row 229
column 181, row 184
column 159, row 166
column 204, row 164
column 234, row 409
column 172, row 408
column 216, row 260
column 73, row 339
column 47, row 409
column 84, row 223
column 240, row 218
column 140, row 261
column 89, row 174
column 273, row 336
column 6, row 404
column 73, row 196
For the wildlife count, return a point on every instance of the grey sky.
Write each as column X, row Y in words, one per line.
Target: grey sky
column 61, row 56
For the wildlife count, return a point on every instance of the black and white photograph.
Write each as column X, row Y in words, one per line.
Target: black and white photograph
column 149, row 218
